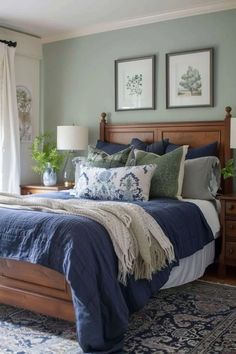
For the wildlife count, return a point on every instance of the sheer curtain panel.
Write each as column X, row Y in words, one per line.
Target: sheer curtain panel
column 9, row 124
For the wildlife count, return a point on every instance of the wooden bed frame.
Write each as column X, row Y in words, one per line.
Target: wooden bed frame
column 46, row 291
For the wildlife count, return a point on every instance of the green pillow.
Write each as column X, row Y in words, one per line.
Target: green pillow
column 168, row 177
column 99, row 158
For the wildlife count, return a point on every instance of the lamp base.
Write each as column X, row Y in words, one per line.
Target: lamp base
column 69, row 171
column 69, row 184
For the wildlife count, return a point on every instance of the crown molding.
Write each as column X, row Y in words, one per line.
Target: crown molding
column 172, row 15
column 27, row 45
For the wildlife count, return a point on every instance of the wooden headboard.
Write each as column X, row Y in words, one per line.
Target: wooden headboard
column 190, row 133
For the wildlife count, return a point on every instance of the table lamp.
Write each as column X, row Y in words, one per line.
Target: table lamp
column 229, row 170
column 233, row 133
column 71, row 138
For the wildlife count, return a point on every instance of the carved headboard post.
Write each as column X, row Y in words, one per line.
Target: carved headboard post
column 102, row 126
column 228, row 183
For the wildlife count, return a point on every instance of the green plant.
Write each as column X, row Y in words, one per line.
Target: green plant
column 44, row 151
column 229, row 169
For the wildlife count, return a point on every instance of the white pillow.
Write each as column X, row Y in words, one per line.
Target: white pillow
column 128, row 183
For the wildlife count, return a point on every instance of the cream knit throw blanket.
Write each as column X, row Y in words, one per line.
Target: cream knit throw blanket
column 140, row 244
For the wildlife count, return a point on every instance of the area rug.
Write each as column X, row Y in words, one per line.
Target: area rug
column 196, row 318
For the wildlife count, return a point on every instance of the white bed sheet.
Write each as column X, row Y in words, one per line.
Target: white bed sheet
column 193, row 267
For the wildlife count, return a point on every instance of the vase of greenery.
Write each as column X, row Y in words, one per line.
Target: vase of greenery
column 47, row 157
column 49, row 176
column 229, row 169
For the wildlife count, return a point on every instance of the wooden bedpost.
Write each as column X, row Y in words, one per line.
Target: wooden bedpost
column 228, row 109
column 228, row 183
column 102, row 126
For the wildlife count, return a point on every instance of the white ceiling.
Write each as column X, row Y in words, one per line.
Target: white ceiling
column 60, row 19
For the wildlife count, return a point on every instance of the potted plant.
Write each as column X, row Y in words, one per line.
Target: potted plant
column 229, row 169
column 47, row 157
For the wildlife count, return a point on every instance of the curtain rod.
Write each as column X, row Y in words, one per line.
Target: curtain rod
column 9, row 43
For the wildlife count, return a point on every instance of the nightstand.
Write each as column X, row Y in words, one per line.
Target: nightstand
column 36, row 189
column 228, row 224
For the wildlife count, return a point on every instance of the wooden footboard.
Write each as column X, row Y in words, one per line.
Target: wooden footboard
column 35, row 288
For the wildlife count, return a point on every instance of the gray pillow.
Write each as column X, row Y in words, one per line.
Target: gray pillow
column 201, row 178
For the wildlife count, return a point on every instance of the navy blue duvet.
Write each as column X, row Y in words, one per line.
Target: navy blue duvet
column 81, row 249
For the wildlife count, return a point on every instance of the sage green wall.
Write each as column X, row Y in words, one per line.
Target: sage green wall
column 79, row 72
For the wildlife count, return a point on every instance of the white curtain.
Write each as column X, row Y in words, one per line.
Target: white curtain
column 9, row 123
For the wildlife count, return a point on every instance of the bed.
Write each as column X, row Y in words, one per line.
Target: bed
column 46, row 291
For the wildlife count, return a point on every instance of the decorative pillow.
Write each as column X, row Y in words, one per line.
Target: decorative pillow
column 201, row 178
column 99, row 158
column 201, row 151
column 131, row 158
column 168, row 177
column 123, row 183
column 158, row 147
column 110, row 148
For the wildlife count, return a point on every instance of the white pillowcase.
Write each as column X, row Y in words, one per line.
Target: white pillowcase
column 128, row 183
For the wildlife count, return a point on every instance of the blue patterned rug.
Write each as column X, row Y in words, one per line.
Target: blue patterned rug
column 195, row 318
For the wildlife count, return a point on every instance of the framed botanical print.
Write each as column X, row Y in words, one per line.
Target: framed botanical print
column 135, row 83
column 189, row 79
column 24, row 105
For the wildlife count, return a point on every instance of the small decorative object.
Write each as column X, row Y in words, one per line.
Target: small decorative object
column 135, row 83
column 189, row 79
column 24, row 102
column 71, row 138
column 49, row 176
column 48, row 159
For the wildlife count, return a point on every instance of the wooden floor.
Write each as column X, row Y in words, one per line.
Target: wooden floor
column 212, row 276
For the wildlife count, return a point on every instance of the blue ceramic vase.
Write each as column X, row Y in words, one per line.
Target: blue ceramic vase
column 49, row 176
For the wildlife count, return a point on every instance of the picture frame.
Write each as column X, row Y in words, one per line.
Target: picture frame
column 189, row 79
column 24, row 106
column 135, row 83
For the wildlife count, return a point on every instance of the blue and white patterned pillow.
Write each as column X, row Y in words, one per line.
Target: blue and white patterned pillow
column 128, row 183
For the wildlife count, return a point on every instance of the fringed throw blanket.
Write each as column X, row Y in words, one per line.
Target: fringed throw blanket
column 139, row 242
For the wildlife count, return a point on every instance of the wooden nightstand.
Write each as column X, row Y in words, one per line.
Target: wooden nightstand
column 228, row 223
column 36, row 189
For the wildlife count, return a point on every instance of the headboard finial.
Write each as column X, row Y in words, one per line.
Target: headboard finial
column 102, row 126
column 103, row 117
column 228, row 110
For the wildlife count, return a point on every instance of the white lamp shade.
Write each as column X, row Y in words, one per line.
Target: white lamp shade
column 233, row 133
column 72, row 137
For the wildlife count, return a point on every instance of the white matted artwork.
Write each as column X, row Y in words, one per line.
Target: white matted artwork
column 189, row 79
column 24, row 104
column 135, row 83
